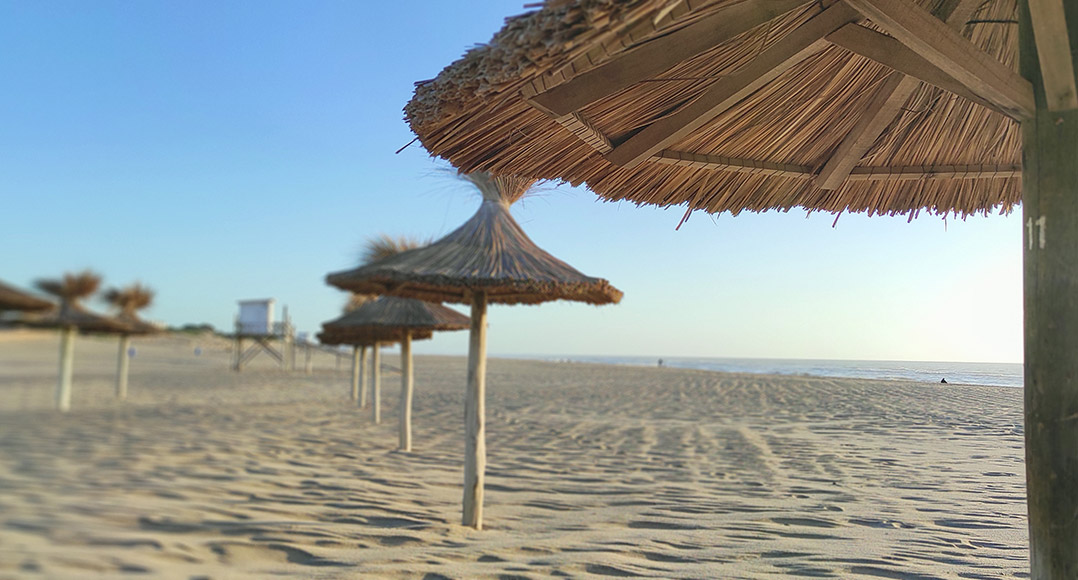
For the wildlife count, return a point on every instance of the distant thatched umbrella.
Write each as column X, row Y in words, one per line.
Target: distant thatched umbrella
column 69, row 317
column 129, row 301
column 402, row 318
column 360, row 341
column 12, row 298
column 488, row 259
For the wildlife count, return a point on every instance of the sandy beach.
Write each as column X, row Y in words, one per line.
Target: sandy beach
column 594, row 471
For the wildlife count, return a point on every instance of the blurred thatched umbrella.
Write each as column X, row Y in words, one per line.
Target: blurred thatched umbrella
column 361, row 339
column 128, row 301
column 400, row 320
column 69, row 317
column 488, row 259
column 877, row 106
column 12, row 298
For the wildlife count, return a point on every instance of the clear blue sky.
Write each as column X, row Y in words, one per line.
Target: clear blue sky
column 220, row 151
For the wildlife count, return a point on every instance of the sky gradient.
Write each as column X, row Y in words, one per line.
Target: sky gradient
column 227, row 151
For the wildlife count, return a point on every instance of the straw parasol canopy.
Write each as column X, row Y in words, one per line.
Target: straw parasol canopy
column 877, row 106
column 488, row 259
column 490, row 253
column 388, row 319
column 128, row 301
column 71, row 290
column 12, row 298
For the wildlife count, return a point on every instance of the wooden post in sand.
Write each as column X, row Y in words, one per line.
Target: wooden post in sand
column 362, row 377
column 406, row 393
column 355, row 372
column 1050, row 244
column 67, row 361
column 376, row 372
column 122, row 366
column 475, row 446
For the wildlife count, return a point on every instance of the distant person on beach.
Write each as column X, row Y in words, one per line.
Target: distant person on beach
column 660, row 362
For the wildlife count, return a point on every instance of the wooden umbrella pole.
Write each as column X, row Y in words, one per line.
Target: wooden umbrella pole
column 122, row 366
column 355, row 373
column 362, row 377
column 475, row 447
column 376, row 372
column 406, row 393
column 67, row 360
column 1050, row 243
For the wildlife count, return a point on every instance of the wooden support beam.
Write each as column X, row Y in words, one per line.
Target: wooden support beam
column 919, row 172
column 654, row 56
column 937, row 43
column 1054, row 54
column 376, row 388
column 803, row 42
column 123, row 363
column 683, row 159
column 67, row 365
column 407, row 388
column 720, row 163
column 355, row 372
column 1049, row 244
column 895, row 92
column 475, row 445
column 895, row 55
column 363, row 377
column 586, row 132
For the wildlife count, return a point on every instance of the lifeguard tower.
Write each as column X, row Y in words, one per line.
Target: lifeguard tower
column 255, row 322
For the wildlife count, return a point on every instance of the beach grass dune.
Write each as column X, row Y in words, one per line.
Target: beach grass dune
column 594, row 471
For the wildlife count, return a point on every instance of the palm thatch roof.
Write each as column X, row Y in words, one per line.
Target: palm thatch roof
column 490, row 253
column 368, row 337
column 877, row 106
column 129, row 300
column 74, row 315
column 12, row 298
column 387, row 319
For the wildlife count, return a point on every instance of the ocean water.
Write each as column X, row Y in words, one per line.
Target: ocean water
column 998, row 374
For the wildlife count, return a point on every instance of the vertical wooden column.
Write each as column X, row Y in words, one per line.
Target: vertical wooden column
column 406, row 393
column 1050, row 247
column 238, row 352
column 67, row 361
column 355, row 373
column 475, row 446
column 363, row 376
column 122, row 366
column 376, row 378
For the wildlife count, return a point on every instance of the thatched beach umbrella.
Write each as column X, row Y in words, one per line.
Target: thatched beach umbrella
column 489, row 259
column 402, row 319
column 11, row 298
column 360, row 340
column 877, row 106
column 128, row 301
column 70, row 316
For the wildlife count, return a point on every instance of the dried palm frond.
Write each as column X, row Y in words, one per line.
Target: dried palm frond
column 130, row 299
column 357, row 300
column 384, row 246
column 71, row 287
column 505, row 188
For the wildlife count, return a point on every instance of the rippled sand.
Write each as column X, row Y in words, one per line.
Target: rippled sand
column 594, row 471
